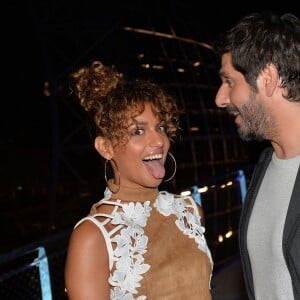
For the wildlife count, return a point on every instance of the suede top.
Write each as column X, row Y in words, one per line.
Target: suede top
column 179, row 270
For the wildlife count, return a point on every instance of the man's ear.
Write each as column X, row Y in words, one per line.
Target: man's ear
column 104, row 147
column 270, row 78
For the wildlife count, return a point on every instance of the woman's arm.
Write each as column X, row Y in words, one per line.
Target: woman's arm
column 87, row 267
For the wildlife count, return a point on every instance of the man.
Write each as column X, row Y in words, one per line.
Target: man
column 260, row 74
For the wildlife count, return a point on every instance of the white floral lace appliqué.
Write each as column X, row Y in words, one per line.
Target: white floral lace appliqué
column 187, row 222
column 131, row 244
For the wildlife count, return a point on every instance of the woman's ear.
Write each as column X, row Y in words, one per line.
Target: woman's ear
column 104, row 147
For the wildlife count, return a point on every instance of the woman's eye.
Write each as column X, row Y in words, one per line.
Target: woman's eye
column 138, row 131
column 162, row 127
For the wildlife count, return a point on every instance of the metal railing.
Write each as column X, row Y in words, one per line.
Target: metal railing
column 36, row 271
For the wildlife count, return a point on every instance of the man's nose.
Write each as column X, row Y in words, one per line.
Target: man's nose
column 222, row 97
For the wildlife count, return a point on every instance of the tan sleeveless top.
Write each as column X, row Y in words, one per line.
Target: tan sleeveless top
column 156, row 245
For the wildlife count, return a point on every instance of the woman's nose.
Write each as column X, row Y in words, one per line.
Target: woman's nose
column 157, row 139
column 222, row 97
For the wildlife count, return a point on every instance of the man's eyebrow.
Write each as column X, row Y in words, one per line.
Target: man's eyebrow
column 225, row 76
column 222, row 73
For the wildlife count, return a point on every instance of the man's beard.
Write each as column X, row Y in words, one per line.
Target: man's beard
column 256, row 124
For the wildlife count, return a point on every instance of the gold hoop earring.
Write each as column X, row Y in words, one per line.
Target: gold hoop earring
column 113, row 185
column 175, row 167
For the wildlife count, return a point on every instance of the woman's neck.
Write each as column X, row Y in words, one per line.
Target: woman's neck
column 133, row 194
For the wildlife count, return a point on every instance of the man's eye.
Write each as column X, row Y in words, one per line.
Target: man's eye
column 228, row 82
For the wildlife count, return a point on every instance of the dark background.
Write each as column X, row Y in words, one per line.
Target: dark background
column 25, row 50
column 32, row 31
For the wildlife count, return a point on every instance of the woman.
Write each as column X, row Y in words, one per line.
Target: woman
column 137, row 242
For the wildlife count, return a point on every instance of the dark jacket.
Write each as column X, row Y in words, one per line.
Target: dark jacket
column 291, row 233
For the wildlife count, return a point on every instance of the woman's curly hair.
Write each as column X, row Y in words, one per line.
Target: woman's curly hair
column 111, row 101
